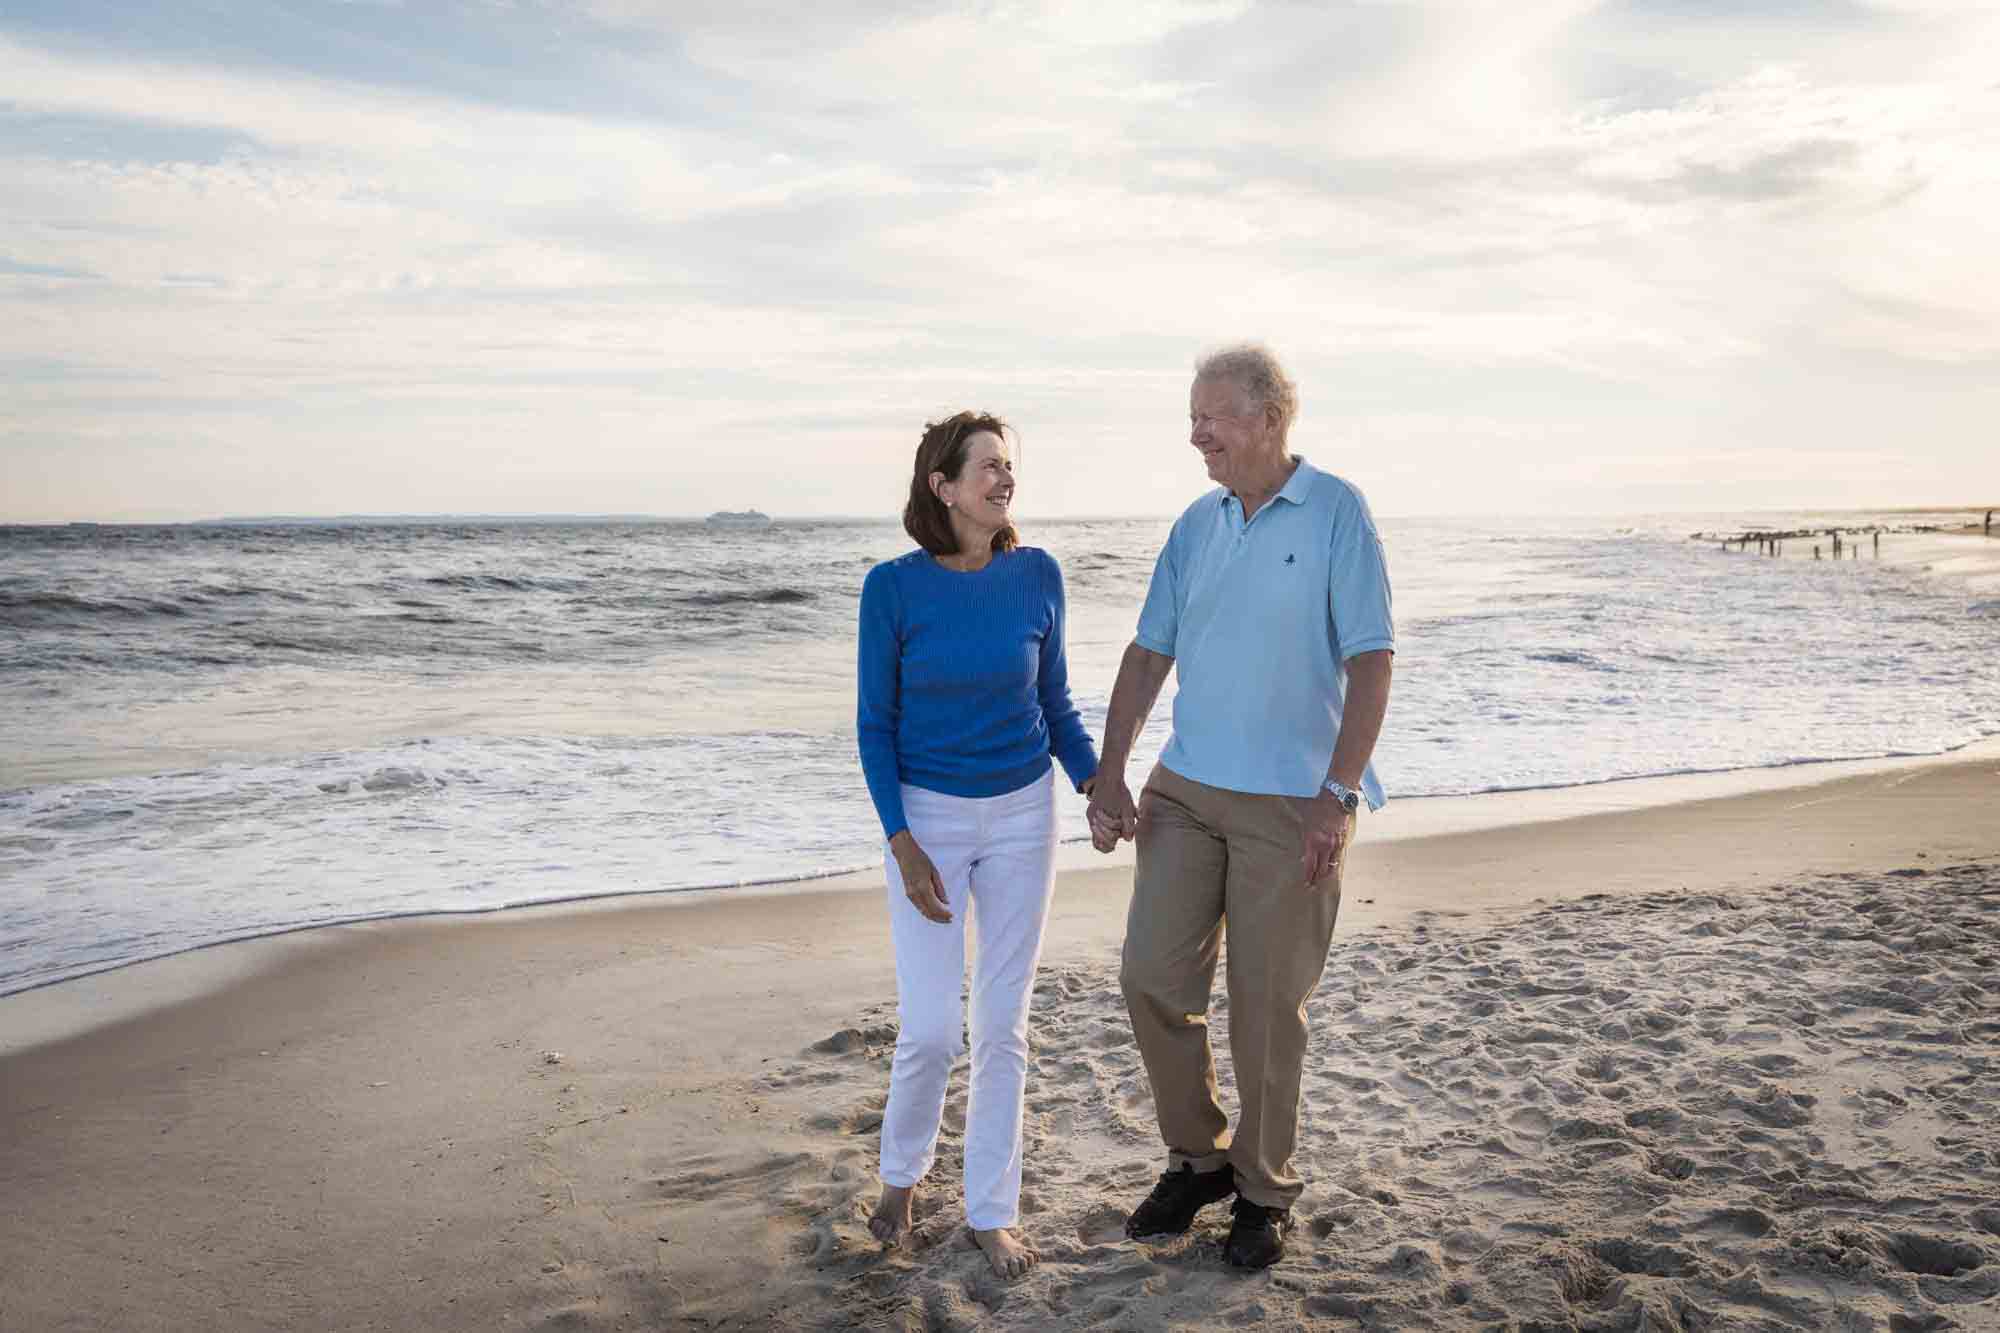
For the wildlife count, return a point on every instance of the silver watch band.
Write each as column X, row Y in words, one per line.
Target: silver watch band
column 1349, row 798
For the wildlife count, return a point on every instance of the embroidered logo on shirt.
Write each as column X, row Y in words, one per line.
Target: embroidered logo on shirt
column 1288, row 559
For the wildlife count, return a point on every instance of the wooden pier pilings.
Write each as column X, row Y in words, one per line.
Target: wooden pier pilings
column 1844, row 543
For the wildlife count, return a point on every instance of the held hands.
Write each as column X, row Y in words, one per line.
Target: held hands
column 922, row 884
column 1328, row 827
column 1113, row 816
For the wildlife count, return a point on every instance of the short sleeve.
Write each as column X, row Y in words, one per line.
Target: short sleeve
column 1358, row 581
column 1160, row 618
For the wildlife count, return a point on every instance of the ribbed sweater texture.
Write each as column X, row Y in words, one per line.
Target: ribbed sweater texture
column 962, row 681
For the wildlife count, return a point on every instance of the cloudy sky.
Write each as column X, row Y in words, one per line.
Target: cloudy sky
column 666, row 256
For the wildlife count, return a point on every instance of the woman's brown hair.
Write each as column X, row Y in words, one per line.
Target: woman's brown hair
column 943, row 449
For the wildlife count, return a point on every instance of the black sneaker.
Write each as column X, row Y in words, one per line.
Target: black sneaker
column 1170, row 1208
column 1257, row 1236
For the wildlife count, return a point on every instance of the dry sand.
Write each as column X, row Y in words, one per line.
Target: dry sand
column 1728, row 1063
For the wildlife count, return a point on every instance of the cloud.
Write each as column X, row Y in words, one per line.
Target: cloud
column 16, row 268
column 1564, row 217
column 1772, row 137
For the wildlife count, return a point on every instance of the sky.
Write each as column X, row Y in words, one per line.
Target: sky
column 669, row 256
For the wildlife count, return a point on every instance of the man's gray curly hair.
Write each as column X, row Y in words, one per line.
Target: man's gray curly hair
column 1257, row 370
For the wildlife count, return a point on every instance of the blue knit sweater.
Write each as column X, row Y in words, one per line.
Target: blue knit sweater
column 964, row 688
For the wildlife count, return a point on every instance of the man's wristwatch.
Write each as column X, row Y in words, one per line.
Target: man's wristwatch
column 1350, row 799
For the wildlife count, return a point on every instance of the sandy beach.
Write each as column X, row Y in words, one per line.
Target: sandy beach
column 1726, row 1062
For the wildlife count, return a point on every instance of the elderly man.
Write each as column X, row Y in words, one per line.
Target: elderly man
column 1273, row 598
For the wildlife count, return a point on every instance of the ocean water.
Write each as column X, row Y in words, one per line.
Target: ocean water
column 218, row 731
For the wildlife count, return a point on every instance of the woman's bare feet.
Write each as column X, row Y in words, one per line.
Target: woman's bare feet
column 891, row 1221
column 1010, row 1256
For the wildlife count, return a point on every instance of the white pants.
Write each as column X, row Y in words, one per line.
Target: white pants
column 996, row 856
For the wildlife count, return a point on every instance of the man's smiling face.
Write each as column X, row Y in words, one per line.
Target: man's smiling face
column 1234, row 435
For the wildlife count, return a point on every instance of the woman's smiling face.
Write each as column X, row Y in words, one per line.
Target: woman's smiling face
column 984, row 486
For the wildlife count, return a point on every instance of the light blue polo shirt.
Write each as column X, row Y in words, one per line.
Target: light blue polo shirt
column 1260, row 619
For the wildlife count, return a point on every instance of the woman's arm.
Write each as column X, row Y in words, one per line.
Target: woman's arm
column 878, row 708
column 878, row 703
column 1068, row 741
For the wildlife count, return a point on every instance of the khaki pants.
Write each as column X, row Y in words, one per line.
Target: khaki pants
column 1210, row 861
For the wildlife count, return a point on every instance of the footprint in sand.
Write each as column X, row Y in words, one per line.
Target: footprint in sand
column 1102, row 1225
column 862, row 1041
column 713, row 1176
column 863, row 1119
column 1753, row 1223
column 940, row 1226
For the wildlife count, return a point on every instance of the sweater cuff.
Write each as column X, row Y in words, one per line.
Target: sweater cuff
column 889, row 810
column 1079, row 763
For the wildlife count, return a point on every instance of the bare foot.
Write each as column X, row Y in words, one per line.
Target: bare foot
column 1010, row 1256
column 891, row 1221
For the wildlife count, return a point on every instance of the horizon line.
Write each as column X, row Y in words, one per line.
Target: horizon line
column 428, row 516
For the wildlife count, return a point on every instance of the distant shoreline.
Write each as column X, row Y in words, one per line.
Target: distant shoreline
column 361, row 520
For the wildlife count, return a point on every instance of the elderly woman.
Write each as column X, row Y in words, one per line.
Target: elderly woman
column 964, row 696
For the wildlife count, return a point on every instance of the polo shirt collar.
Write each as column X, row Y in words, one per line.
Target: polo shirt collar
column 1292, row 492
column 1295, row 487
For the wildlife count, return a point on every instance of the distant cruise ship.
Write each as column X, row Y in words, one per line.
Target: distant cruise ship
column 739, row 518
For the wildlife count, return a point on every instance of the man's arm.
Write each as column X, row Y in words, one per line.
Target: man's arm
column 1141, row 673
column 1361, row 715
